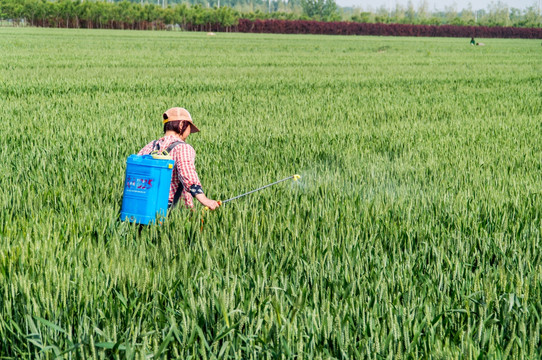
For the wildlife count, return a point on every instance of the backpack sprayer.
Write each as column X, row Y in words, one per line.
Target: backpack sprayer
column 146, row 186
column 295, row 177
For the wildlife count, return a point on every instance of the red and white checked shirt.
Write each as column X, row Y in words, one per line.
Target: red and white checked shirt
column 184, row 171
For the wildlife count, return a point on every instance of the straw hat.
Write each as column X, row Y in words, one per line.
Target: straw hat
column 180, row 114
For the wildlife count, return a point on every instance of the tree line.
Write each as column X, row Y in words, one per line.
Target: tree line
column 224, row 15
column 121, row 15
column 496, row 14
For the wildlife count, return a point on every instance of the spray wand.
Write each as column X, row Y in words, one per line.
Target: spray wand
column 295, row 177
column 220, row 203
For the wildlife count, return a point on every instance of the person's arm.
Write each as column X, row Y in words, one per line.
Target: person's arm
column 189, row 177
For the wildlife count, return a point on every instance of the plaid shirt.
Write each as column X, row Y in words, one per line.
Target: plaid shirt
column 184, row 172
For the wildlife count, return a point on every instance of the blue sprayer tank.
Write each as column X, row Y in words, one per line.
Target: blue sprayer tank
column 146, row 188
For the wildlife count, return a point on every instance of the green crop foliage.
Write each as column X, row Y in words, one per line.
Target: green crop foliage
column 414, row 233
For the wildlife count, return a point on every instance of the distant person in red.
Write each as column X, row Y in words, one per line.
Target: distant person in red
column 185, row 183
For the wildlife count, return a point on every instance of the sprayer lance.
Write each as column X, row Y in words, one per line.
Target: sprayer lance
column 295, row 177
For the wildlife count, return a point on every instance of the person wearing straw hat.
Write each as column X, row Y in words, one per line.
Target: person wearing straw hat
column 185, row 184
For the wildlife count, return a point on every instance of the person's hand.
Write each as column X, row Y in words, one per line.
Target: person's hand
column 212, row 204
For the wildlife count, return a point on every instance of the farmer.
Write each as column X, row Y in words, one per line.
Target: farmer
column 184, row 181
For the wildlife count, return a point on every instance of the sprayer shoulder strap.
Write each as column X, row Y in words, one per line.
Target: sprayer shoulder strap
column 180, row 188
column 156, row 146
column 172, row 145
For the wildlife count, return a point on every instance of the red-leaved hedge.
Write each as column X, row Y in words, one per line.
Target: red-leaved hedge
column 352, row 28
